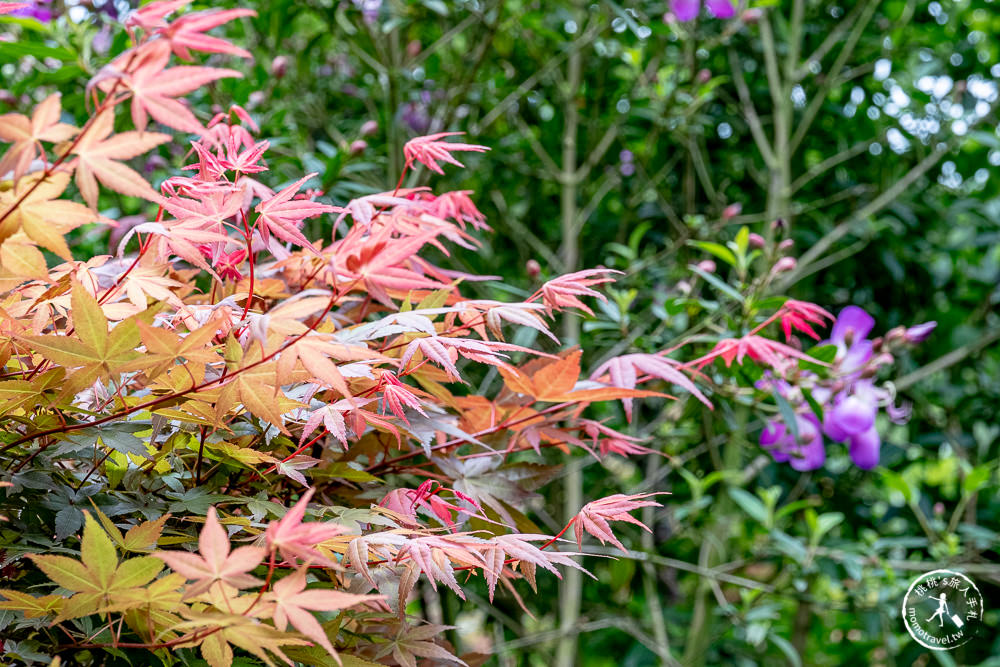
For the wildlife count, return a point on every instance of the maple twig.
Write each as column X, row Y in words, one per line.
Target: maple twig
column 267, row 582
column 293, row 454
column 250, row 258
column 143, row 247
column 201, row 452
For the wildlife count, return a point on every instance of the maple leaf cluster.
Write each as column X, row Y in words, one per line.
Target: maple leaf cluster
column 222, row 365
column 258, row 441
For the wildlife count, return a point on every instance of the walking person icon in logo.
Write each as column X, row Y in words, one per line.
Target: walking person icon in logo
column 957, row 605
column 941, row 611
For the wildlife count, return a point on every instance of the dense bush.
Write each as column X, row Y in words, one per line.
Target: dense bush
column 210, row 428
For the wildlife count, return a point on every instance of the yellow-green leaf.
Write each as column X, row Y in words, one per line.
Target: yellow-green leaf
column 62, row 350
column 45, row 234
column 88, row 319
column 68, row 573
column 109, row 526
column 137, row 572
column 31, row 606
column 81, row 604
column 98, row 553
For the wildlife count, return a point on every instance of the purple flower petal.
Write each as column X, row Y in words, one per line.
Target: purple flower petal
column 808, row 452
column 899, row 414
column 851, row 319
column 833, row 429
column 852, row 415
column 685, row 10
column 720, row 9
column 864, row 448
column 856, row 356
column 775, row 438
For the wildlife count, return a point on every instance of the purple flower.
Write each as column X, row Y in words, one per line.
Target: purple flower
column 850, row 335
column 803, row 453
column 846, row 396
column 864, row 448
column 852, row 418
column 687, row 10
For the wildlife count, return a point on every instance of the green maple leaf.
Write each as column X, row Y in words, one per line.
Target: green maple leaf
column 98, row 575
column 94, row 351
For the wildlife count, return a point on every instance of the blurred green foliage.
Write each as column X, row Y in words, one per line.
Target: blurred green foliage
column 619, row 137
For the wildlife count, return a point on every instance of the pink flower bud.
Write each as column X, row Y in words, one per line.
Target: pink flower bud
column 684, row 287
column 895, row 334
column 757, row 241
column 369, row 127
column 704, row 75
column 779, row 225
column 279, row 66
column 732, row 211
column 787, row 244
column 413, row 48
column 752, row 15
column 784, row 264
column 533, row 268
column 255, row 99
column 707, row 265
column 358, row 146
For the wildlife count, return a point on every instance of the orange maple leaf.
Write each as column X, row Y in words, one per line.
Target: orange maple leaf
column 154, row 88
column 97, row 152
column 26, row 135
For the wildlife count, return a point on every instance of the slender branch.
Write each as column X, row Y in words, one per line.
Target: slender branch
column 749, row 112
column 842, row 229
column 946, row 361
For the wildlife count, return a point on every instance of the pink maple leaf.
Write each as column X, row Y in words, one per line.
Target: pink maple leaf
column 613, row 442
column 151, row 17
column 518, row 547
column 562, row 292
column 281, row 215
column 294, row 539
column 457, row 206
column 363, row 209
column 293, row 604
column 332, row 418
column 769, row 352
column 427, row 150
column 395, row 395
column 406, row 501
column 594, row 516
column 215, row 562
column 187, row 33
column 155, row 88
column 626, row 371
